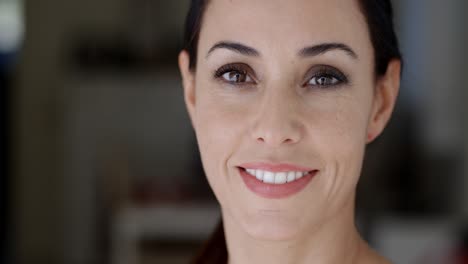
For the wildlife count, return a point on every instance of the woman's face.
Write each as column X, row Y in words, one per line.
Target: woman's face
column 283, row 87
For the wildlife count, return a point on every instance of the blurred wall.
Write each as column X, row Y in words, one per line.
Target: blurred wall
column 38, row 180
column 433, row 38
column 39, row 113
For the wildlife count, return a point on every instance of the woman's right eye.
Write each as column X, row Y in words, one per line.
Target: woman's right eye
column 236, row 74
column 236, row 77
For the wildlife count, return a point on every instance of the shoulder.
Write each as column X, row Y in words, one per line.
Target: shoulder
column 370, row 256
column 376, row 259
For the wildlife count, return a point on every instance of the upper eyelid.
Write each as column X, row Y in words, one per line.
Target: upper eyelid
column 317, row 69
column 236, row 67
column 311, row 72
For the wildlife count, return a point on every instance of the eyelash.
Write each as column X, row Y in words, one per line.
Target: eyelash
column 319, row 72
column 327, row 72
column 234, row 68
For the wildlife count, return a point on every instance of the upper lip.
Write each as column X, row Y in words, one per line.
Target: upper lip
column 274, row 167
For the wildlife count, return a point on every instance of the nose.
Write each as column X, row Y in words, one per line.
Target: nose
column 277, row 123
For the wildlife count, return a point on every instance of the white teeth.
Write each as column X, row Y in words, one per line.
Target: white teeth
column 259, row 175
column 276, row 177
column 291, row 176
column 269, row 177
column 299, row 175
column 280, row 177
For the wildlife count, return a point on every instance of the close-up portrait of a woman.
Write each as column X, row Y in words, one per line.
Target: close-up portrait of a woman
column 284, row 96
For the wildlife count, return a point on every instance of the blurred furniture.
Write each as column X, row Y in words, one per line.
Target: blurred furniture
column 416, row 240
column 130, row 225
column 130, row 163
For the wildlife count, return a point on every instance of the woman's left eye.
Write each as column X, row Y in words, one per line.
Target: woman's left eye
column 324, row 76
column 323, row 80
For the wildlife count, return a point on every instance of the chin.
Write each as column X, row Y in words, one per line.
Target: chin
column 272, row 227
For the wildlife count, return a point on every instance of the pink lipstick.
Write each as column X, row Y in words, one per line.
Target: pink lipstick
column 275, row 181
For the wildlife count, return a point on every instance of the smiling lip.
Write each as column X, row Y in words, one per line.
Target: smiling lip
column 275, row 191
column 274, row 167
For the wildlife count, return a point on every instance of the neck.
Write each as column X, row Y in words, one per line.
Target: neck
column 334, row 242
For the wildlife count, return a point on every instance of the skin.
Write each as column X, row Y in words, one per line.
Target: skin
column 274, row 117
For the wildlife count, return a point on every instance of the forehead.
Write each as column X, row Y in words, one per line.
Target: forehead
column 275, row 24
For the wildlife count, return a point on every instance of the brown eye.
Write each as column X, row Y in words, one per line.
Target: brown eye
column 324, row 76
column 235, row 74
column 323, row 81
column 236, row 77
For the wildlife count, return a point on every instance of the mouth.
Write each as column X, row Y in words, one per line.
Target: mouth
column 274, row 183
column 277, row 177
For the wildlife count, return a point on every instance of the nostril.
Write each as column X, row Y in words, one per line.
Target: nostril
column 287, row 140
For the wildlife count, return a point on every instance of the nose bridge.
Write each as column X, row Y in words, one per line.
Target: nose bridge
column 277, row 120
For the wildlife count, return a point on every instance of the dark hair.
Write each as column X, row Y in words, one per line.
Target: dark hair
column 214, row 251
column 379, row 18
column 192, row 29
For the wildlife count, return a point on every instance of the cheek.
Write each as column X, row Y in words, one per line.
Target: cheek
column 220, row 117
column 339, row 136
column 351, row 125
column 347, row 142
column 218, row 126
column 338, row 124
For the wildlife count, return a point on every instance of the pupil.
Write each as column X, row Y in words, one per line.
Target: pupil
column 324, row 80
column 236, row 77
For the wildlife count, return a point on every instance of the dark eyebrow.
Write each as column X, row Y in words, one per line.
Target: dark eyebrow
column 305, row 52
column 236, row 47
column 326, row 47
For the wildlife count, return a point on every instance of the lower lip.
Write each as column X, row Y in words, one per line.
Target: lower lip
column 275, row 191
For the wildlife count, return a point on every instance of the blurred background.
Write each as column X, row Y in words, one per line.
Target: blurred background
column 99, row 163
